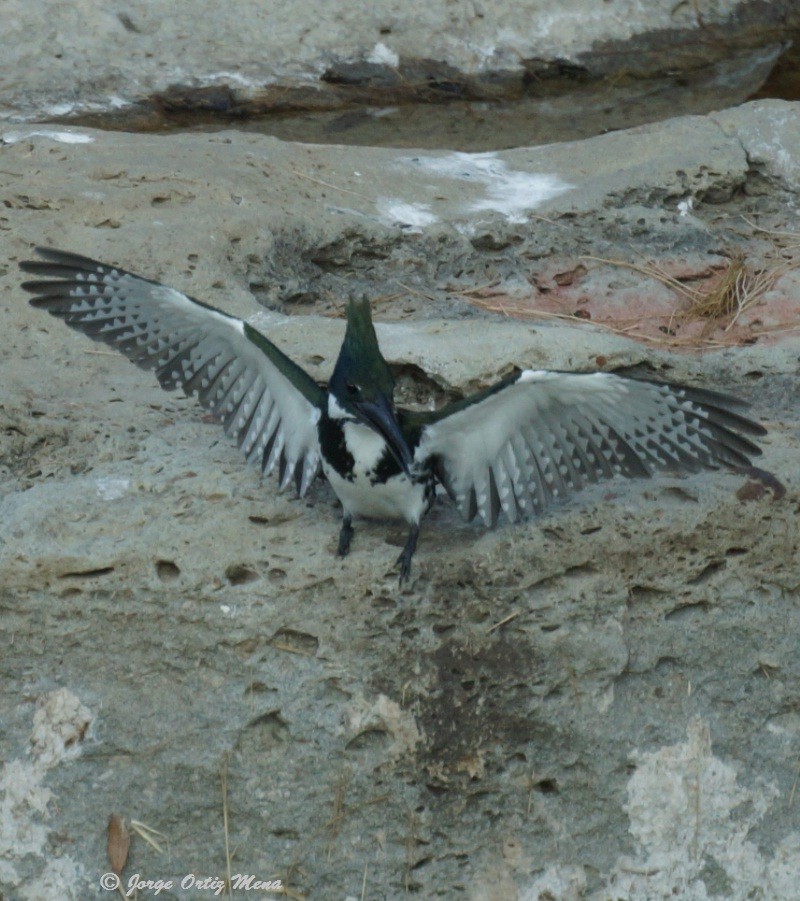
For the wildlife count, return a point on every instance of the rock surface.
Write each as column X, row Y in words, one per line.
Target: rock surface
column 84, row 53
column 601, row 703
column 473, row 77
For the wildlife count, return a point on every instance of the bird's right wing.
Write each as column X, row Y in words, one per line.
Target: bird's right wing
column 267, row 402
column 539, row 436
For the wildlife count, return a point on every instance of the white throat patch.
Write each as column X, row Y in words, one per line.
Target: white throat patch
column 335, row 411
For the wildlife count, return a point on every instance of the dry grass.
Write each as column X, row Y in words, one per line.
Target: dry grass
column 119, row 836
column 725, row 300
column 339, row 812
column 515, row 311
column 719, row 304
column 148, row 834
column 782, row 240
column 738, row 287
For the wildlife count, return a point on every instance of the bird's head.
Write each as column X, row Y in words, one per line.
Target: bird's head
column 362, row 386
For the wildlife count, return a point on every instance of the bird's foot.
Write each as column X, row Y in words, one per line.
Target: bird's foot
column 404, row 560
column 345, row 536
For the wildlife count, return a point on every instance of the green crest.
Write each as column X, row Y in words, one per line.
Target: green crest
column 360, row 363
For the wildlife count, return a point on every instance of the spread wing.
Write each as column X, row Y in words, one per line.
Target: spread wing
column 539, row 436
column 261, row 397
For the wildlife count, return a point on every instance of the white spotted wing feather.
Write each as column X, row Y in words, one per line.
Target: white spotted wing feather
column 262, row 398
column 540, row 436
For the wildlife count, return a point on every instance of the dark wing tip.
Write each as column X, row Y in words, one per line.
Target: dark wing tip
column 61, row 263
column 724, row 407
column 56, row 273
column 53, row 253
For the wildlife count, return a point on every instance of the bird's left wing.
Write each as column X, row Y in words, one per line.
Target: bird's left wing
column 261, row 397
column 539, row 436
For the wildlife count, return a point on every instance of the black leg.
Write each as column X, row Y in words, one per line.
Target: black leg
column 404, row 560
column 346, row 535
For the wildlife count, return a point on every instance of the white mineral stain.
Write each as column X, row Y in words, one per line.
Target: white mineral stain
column 62, row 137
column 110, row 489
column 510, row 192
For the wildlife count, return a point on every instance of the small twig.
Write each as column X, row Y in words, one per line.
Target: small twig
column 794, row 787
column 698, row 820
column 471, row 292
column 325, row 184
column 279, row 646
column 774, row 232
column 502, row 622
column 531, row 781
column 223, row 778
column 413, row 291
column 411, row 839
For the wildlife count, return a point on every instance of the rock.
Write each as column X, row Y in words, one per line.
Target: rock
column 544, row 703
column 198, row 57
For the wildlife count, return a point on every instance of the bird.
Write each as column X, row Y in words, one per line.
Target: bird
column 508, row 451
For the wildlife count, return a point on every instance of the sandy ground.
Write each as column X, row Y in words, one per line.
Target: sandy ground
column 598, row 704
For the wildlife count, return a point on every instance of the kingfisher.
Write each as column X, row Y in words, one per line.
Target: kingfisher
column 507, row 451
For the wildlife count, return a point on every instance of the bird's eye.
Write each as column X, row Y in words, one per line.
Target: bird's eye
column 352, row 390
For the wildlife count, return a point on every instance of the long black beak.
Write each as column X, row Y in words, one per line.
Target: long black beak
column 380, row 416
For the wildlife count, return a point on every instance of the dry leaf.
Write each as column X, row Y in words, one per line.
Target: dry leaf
column 119, row 843
column 751, row 491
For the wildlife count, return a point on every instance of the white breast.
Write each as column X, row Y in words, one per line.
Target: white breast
column 398, row 498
